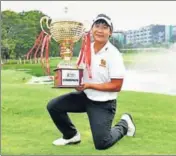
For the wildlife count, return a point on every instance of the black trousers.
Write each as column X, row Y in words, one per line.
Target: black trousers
column 100, row 114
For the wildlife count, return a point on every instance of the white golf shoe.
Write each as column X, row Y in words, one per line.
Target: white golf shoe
column 131, row 126
column 74, row 140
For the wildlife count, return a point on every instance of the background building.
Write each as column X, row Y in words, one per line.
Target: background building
column 118, row 39
column 170, row 33
column 120, row 36
column 148, row 35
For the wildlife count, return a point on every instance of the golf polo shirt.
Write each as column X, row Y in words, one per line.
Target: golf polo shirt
column 106, row 64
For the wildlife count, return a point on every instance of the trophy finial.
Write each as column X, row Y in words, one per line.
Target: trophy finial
column 66, row 10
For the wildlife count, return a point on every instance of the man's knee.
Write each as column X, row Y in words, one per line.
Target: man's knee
column 102, row 143
column 50, row 105
column 55, row 104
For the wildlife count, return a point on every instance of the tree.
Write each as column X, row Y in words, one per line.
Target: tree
column 19, row 31
column 9, row 27
column 116, row 43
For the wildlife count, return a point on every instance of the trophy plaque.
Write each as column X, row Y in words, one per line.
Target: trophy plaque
column 66, row 33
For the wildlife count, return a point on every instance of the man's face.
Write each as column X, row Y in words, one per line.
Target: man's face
column 101, row 32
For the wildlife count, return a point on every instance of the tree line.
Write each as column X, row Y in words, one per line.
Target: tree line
column 20, row 30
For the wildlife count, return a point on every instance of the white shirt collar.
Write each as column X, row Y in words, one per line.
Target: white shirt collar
column 104, row 49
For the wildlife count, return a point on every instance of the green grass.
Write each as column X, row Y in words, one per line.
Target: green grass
column 35, row 69
column 27, row 128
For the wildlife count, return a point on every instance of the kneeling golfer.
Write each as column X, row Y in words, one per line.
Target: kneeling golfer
column 97, row 96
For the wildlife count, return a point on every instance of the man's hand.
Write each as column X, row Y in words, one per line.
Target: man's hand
column 83, row 87
column 113, row 86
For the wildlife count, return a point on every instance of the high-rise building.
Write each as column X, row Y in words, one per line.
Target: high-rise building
column 151, row 34
column 146, row 35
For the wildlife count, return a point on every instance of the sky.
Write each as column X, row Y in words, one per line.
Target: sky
column 125, row 15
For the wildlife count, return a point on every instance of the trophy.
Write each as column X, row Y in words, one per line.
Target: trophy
column 66, row 33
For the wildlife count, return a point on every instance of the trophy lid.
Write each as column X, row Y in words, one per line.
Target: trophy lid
column 66, row 28
column 66, row 17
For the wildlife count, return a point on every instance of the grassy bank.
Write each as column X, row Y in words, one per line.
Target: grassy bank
column 27, row 128
column 36, row 69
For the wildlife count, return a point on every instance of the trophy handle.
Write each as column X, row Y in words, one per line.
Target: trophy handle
column 47, row 23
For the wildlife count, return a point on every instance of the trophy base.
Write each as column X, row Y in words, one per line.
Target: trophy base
column 68, row 77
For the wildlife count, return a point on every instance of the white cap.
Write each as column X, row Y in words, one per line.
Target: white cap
column 105, row 18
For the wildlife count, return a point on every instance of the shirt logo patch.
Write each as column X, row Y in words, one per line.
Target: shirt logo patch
column 103, row 63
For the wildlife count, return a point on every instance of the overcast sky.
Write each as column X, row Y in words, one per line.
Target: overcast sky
column 125, row 15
